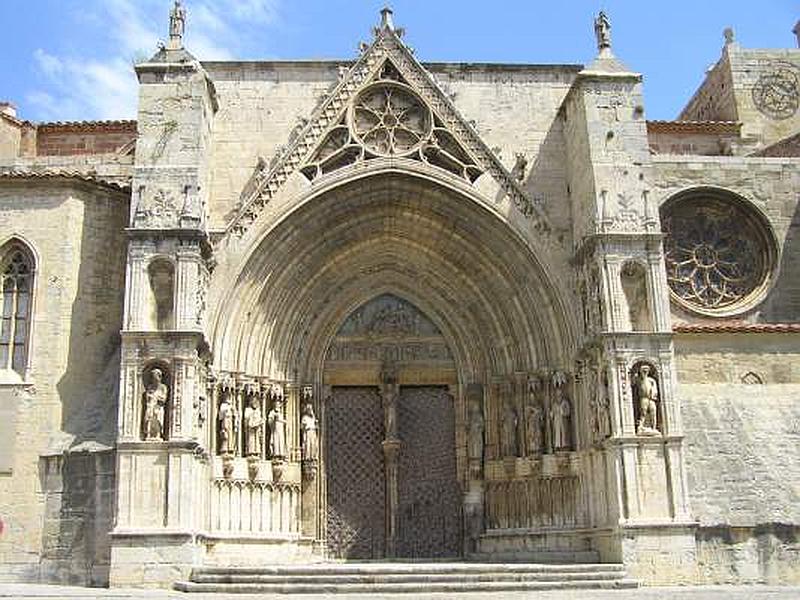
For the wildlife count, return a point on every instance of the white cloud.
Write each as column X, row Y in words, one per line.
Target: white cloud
column 102, row 85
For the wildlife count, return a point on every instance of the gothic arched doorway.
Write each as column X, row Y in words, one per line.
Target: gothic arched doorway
column 390, row 452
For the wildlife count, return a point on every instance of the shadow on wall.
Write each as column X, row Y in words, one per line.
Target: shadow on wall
column 783, row 303
column 78, row 478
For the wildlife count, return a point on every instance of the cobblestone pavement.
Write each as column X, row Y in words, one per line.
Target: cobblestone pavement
column 52, row 592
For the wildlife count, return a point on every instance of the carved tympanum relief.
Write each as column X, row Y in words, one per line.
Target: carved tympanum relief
column 719, row 254
column 388, row 329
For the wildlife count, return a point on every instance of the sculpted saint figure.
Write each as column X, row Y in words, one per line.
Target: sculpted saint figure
column 308, row 427
column 155, row 399
column 277, row 424
column 647, row 388
column 226, row 418
column 534, row 422
column 561, row 416
column 254, row 422
column 477, row 427
column 509, row 427
column 177, row 21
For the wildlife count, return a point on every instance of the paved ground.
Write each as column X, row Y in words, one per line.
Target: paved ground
column 52, row 592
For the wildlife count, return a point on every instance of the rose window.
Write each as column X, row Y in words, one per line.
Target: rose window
column 718, row 254
column 390, row 120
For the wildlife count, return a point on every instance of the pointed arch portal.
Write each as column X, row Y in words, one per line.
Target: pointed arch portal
column 390, row 294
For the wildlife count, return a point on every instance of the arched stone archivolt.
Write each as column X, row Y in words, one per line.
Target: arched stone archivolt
column 391, row 233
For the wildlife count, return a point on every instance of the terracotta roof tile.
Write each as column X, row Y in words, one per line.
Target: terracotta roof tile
column 737, row 327
column 716, row 127
column 62, row 174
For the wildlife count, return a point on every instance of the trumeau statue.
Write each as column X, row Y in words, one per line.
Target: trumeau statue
column 226, row 419
column 254, row 425
column 647, row 392
column 277, row 424
column 309, row 429
column 155, row 400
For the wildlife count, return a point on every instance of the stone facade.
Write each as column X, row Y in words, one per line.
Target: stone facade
column 286, row 275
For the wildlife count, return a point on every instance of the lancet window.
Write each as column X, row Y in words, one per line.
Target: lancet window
column 16, row 267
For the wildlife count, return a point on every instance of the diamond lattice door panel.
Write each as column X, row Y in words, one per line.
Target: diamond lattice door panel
column 430, row 497
column 355, row 474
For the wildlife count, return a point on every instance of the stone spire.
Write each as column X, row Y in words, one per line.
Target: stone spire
column 177, row 24
column 602, row 31
column 796, row 32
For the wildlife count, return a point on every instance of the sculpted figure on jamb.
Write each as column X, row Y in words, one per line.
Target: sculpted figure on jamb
column 155, row 400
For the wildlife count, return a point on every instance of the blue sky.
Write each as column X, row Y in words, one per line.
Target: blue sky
column 71, row 59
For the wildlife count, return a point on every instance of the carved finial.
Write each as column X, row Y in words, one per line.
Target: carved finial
column 729, row 36
column 177, row 24
column 602, row 31
column 796, row 32
column 387, row 22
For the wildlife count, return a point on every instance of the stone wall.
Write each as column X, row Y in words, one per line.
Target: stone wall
column 75, row 230
column 742, row 455
column 70, row 139
column 513, row 108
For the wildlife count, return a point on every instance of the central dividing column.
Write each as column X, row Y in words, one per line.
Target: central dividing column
column 390, row 392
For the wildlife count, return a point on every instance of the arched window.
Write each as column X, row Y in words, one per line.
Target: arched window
column 16, row 273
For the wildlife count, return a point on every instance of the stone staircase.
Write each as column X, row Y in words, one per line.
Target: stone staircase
column 405, row 577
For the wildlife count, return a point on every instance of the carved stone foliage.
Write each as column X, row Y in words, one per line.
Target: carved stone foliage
column 777, row 93
column 156, row 210
column 719, row 254
column 388, row 329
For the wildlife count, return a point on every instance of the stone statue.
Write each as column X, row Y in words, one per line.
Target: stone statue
column 155, row 400
column 509, row 429
column 226, row 416
column 534, row 428
column 477, row 427
column 277, row 424
column 254, row 425
column 561, row 418
column 602, row 31
column 308, row 427
column 647, row 388
column 177, row 24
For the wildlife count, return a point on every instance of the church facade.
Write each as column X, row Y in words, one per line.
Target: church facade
column 387, row 309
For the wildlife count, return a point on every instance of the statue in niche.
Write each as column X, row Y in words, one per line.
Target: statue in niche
column 155, row 401
column 226, row 416
column 477, row 427
column 534, row 427
column 277, row 424
column 605, row 407
column 509, row 430
column 308, row 427
column 254, row 424
column 646, row 396
column 560, row 414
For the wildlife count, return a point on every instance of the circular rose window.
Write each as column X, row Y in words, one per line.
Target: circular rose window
column 389, row 119
column 719, row 253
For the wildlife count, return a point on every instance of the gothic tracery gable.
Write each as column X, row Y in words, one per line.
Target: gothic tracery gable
column 385, row 105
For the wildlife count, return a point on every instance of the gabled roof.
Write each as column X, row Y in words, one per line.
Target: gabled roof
column 386, row 48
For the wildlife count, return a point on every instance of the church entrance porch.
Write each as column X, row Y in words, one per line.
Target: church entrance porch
column 391, row 493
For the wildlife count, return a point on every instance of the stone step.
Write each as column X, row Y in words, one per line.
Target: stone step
column 536, row 556
column 400, row 588
column 404, row 577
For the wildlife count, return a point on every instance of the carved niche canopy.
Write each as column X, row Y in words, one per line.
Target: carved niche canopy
column 719, row 253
